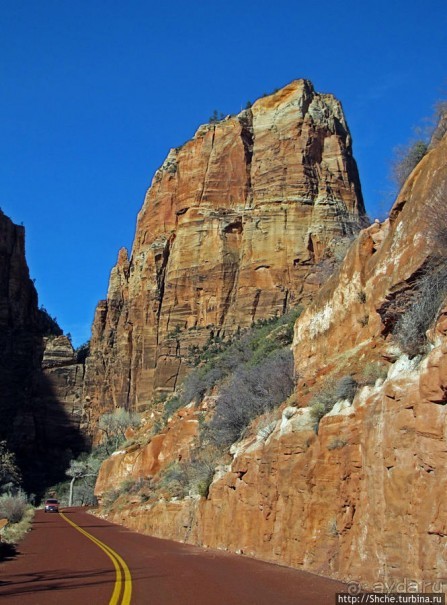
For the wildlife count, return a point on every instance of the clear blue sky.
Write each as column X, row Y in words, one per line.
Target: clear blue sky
column 94, row 93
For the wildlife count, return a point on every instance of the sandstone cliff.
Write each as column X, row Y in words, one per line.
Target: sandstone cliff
column 363, row 497
column 234, row 228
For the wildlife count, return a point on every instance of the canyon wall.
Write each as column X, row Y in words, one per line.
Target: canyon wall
column 19, row 325
column 237, row 226
column 363, row 497
column 40, row 381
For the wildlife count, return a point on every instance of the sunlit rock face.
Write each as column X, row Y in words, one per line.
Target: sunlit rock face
column 362, row 498
column 354, row 315
column 233, row 229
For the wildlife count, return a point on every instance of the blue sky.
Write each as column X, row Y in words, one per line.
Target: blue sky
column 94, row 94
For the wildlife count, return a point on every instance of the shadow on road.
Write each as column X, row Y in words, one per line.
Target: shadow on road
column 7, row 552
column 58, row 579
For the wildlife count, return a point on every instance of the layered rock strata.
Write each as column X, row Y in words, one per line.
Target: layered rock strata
column 363, row 497
column 233, row 229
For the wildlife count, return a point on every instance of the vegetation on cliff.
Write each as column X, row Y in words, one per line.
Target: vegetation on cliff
column 247, row 377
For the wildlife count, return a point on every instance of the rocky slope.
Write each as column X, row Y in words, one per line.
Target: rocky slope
column 363, row 497
column 34, row 421
column 236, row 227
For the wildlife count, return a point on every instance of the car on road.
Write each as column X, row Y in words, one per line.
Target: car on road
column 52, row 506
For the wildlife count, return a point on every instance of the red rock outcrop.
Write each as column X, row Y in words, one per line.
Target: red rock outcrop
column 232, row 230
column 364, row 498
column 142, row 461
column 357, row 308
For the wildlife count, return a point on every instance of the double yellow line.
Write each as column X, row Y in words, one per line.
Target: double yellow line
column 122, row 591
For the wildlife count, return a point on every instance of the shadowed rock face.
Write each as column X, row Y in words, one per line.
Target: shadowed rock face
column 231, row 231
column 19, row 320
column 39, row 428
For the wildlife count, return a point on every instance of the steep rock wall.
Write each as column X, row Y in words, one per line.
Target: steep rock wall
column 38, row 373
column 19, row 345
column 355, row 312
column 232, row 230
column 364, row 497
column 362, row 500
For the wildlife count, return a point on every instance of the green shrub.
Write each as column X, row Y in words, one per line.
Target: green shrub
column 128, row 486
column 186, row 477
column 321, row 404
column 114, row 426
column 175, row 480
column 110, row 497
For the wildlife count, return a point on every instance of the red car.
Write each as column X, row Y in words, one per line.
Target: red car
column 52, row 506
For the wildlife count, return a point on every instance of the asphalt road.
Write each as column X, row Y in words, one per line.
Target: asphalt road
column 77, row 559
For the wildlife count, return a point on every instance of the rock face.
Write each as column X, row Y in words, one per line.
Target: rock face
column 58, row 391
column 19, row 321
column 137, row 462
column 358, row 308
column 38, row 373
column 233, row 229
column 364, row 497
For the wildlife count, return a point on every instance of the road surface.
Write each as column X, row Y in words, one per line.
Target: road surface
column 74, row 558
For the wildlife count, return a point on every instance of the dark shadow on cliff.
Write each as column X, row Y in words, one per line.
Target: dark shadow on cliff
column 39, row 428
column 58, row 439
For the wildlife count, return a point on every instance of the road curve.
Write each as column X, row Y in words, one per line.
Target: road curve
column 81, row 559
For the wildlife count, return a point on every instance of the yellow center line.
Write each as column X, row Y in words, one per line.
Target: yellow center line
column 118, row 563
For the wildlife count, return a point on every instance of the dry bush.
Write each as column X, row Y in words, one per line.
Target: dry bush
column 252, row 391
column 13, row 533
column 329, row 393
column 407, row 157
column 431, row 288
column 13, row 507
column 372, row 372
column 411, row 328
column 9, row 471
column 336, row 443
column 114, row 426
column 252, row 347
